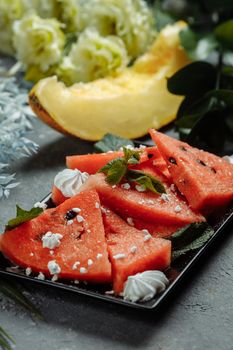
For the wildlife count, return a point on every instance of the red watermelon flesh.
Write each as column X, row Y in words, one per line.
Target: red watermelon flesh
column 57, row 196
column 81, row 241
column 91, row 163
column 156, row 229
column 138, row 254
column 146, row 205
column 205, row 179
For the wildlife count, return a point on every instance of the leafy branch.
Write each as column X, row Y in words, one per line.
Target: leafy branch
column 205, row 116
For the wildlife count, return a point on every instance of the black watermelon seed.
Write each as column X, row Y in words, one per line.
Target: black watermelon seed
column 150, row 155
column 172, row 160
column 214, row 170
column 201, row 162
column 70, row 215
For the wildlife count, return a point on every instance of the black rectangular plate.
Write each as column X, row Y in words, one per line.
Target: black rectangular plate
column 175, row 274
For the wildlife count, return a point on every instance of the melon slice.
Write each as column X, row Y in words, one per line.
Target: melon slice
column 146, row 205
column 82, row 253
column 205, row 179
column 130, row 251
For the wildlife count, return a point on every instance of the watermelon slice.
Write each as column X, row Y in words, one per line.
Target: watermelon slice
column 132, row 251
column 146, row 205
column 91, row 163
column 205, row 179
column 57, row 196
column 82, row 253
column 156, row 229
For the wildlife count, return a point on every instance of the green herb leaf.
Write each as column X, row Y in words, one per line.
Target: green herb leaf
column 197, row 46
column 112, row 143
column 114, row 170
column 131, row 156
column 23, row 216
column 190, row 238
column 148, row 181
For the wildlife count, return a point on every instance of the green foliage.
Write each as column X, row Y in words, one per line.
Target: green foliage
column 118, row 168
column 149, row 182
column 190, row 238
column 112, row 142
column 23, row 216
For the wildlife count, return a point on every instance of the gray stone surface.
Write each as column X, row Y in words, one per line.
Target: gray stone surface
column 199, row 316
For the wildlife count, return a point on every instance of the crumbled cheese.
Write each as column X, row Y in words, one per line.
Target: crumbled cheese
column 41, row 276
column 127, row 146
column 147, row 237
column 51, row 252
column 99, row 256
column 173, row 187
column 140, row 188
column 83, row 270
column 89, row 262
column 109, row 292
column 76, row 210
column 40, row 205
column 130, row 221
column 178, row 208
column 145, row 231
column 28, row 271
column 97, row 205
column 142, row 146
column 119, row 256
column 54, row 278
column 51, row 240
column 150, row 201
column 165, row 197
column 70, row 222
column 31, row 254
column 76, row 264
column 104, row 211
column 79, row 218
column 113, row 186
column 53, row 267
column 88, row 230
column 133, row 249
column 125, row 186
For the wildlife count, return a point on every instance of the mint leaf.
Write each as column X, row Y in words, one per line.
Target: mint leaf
column 190, row 238
column 23, row 216
column 131, row 156
column 114, row 170
column 112, row 142
column 148, row 181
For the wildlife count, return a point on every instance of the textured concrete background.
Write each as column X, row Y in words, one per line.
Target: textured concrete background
column 199, row 316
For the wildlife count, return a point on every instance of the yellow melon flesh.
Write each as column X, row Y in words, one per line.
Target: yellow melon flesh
column 127, row 104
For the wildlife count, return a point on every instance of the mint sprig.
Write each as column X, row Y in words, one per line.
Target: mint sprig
column 117, row 169
column 23, row 216
column 190, row 238
column 150, row 182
